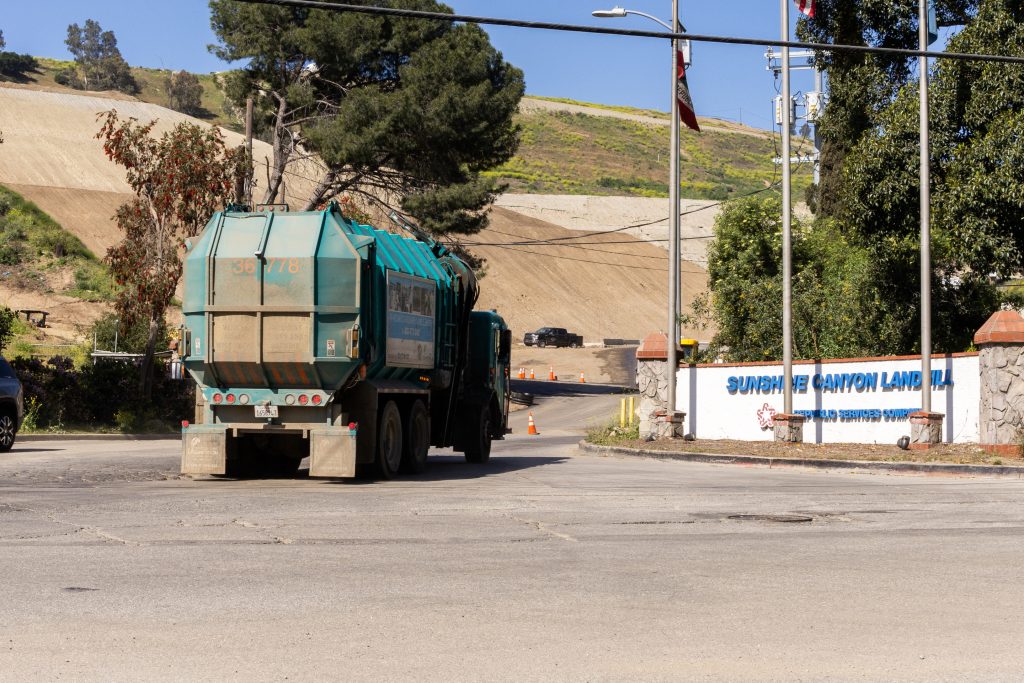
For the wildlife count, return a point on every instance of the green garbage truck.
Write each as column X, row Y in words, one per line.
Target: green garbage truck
column 309, row 334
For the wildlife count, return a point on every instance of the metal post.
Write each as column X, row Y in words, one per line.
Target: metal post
column 819, row 87
column 673, row 230
column 787, row 237
column 248, row 150
column 926, row 247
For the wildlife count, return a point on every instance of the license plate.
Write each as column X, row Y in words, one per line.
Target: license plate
column 266, row 411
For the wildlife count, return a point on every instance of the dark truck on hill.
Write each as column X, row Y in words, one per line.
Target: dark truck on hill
column 552, row 336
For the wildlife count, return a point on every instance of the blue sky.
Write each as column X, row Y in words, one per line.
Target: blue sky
column 726, row 81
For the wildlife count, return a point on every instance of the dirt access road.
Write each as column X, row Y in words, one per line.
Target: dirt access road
column 612, row 365
column 543, row 564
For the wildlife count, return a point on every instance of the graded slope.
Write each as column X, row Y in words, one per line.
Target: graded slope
column 598, row 286
column 608, row 289
column 51, row 157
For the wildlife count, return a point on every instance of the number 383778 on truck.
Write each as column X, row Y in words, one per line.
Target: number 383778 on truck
column 309, row 334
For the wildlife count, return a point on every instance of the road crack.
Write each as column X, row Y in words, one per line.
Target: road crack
column 545, row 529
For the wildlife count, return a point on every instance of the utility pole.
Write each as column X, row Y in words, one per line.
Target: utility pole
column 813, row 102
column 926, row 246
column 673, row 229
column 787, row 220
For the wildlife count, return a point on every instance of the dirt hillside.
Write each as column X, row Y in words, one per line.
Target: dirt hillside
column 50, row 156
column 601, row 288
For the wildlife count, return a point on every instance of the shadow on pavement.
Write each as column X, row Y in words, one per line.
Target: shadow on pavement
column 454, row 468
column 546, row 388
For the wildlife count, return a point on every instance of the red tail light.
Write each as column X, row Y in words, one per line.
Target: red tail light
column 303, row 399
column 217, row 398
column 317, row 399
column 231, row 398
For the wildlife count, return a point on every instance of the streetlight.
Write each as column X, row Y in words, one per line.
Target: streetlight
column 673, row 199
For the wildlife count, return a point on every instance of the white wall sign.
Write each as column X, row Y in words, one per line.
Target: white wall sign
column 843, row 401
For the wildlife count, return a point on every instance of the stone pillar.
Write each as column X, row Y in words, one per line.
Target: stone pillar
column 656, row 419
column 788, row 428
column 925, row 430
column 1000, row 343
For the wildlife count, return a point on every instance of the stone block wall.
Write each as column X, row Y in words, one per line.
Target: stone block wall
column 1000, row 343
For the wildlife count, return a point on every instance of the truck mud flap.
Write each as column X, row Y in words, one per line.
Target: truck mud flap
column 332, row 453
column 203, row 451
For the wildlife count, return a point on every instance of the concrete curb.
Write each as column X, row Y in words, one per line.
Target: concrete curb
column 22, row 438
column 759, row 461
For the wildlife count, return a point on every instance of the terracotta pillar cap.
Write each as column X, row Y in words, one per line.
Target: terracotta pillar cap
column 653, row 347
column 1003, row 327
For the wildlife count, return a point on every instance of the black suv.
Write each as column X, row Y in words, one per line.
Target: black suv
column 12, row 408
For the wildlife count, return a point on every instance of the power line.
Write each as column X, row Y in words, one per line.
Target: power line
column 665, row 35
column 596, row 233
column 600, row 263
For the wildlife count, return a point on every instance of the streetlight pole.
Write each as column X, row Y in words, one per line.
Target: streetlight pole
column 926, row 247
column 673, row 226
column 787, row 220
column 673, row 199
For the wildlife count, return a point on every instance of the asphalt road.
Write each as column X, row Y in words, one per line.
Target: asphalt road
column 544, row 564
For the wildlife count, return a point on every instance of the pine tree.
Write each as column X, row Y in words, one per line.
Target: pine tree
column 406, row 114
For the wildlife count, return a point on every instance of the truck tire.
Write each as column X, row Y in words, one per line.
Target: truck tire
column 389, row 441
column 574, row 345
column 542, row 343
column 478, row 437
column 417, row 439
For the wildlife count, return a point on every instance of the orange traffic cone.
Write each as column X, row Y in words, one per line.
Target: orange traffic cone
column 551, row 373
column 532, row 375
column 583, row 380
column 531, row 426
column 522, row 373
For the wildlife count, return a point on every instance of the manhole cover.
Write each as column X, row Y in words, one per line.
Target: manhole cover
column 773, row 518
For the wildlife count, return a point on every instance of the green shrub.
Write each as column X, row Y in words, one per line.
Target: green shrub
column 611, row 434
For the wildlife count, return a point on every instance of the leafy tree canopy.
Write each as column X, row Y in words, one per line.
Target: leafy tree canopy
column 831, row 288
column 861, row 85
column 98, row 63
column 977, row 189
column 404, row 113
column 184, row 92
column 179, row 180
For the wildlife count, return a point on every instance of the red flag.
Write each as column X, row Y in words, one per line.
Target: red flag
column 686, row 112
column 806, row 7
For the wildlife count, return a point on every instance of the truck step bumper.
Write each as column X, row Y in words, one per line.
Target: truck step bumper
column 332, row 452
column 204, row 450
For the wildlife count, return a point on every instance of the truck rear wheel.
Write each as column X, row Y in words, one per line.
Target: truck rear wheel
column 478, row 441
column 389, row 441
column 417, row 439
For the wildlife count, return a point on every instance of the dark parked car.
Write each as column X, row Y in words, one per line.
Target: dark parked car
column 12, row 408
column 552, row 336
